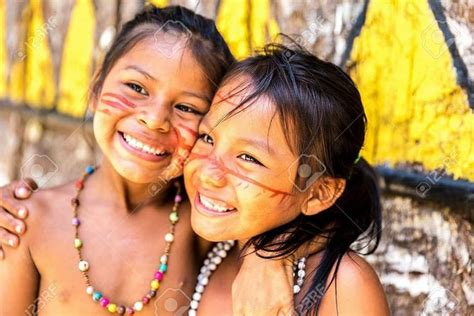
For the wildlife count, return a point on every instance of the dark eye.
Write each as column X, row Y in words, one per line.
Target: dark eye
column 250, row 159
column 206, row 138
column 137, row 88
column 187, row 109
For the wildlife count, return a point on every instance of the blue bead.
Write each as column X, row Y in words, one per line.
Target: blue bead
column 163, row 267
column 97, row 296
column 90, row 169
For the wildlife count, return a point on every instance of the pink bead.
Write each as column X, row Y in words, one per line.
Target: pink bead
column 104, row 302
column 145, row 300
column 129, row 311
column 178, row 198
column 159, row 275
column 76, row 221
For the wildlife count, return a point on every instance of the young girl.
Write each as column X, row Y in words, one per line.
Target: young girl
column 106, row 244
column 277, row 165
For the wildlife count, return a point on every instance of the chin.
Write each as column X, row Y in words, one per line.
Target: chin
column 210, row 232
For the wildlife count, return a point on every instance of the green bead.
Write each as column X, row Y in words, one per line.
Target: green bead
column 97, row 296
column 174, row 217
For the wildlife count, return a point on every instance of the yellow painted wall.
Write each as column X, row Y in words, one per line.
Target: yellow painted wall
column 76, row 68
column 416, row 110
column 3, row 53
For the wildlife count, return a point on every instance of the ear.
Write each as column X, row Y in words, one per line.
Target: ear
column 323, row 194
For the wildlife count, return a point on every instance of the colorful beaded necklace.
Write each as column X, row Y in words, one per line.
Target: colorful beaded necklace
column 83, row 265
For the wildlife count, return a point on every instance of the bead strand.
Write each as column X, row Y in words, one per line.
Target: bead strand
column 84, row 267
column 215, row 257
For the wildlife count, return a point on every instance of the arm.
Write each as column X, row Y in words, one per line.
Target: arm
column 19, row 282
column 12, row 213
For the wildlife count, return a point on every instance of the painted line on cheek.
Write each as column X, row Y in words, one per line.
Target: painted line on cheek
column 220, row 165
column 120, row 98
column 189, row 130
column 105, row 111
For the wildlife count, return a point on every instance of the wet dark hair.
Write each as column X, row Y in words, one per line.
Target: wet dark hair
column 324, row 121
column 204, row 40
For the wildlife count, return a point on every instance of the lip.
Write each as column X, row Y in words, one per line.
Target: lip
column 208, row 212
column 139, row 153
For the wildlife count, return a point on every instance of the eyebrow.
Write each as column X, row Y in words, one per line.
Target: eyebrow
column 264, row 145
column 258, row 143
column 140, row 70
column 189, row 93
column 198, row 95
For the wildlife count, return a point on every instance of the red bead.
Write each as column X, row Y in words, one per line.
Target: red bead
column 145, row 300
column 129, row 311
column 79, row 184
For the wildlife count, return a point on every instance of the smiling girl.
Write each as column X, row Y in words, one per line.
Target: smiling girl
column 277, row 165
column 105, row 243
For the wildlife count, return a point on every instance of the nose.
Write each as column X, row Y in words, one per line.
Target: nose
column 156, row 117
column 212, row 175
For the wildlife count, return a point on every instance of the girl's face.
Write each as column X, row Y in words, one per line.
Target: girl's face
column 148, row 111
column 240, row 173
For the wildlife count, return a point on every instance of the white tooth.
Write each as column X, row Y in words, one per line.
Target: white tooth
column 133, row 142
column 147, row 149
column 139, row 144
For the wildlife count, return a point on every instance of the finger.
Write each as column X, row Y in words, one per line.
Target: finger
column 24, row 188
column 10, row 205
column 10, row 223
column 6, row 238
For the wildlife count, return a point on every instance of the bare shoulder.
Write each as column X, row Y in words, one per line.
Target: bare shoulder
column 46, row 205
column 356, row 290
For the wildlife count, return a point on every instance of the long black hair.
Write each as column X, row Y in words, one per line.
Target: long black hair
column 324, row 121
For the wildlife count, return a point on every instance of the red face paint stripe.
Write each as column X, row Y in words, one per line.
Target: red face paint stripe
column 105, row 111
column 181, row 142
column 189, row 130
column 116, row 105
column 120, row 98
column 218, row 164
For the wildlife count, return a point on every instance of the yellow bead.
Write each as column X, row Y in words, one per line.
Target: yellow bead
column 112, row 308
column 77, row 243
column 155, row 285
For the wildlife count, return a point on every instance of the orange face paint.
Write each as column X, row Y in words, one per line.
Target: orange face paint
column 219, row 165
column 117, row 101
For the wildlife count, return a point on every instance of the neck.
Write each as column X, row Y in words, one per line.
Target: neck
column 128, row 195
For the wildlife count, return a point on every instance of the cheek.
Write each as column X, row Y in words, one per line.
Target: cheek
column 264, row 212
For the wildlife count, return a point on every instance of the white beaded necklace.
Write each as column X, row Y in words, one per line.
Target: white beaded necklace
column 215, row 258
